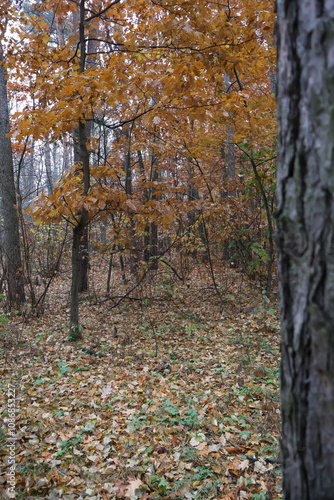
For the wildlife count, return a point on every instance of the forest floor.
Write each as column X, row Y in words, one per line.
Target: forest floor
column 183, row 403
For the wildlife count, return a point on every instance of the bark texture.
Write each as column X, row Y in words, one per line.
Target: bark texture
column 10, row 236
column 305, row 220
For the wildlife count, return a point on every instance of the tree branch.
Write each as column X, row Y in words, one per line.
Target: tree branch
column 97, row 14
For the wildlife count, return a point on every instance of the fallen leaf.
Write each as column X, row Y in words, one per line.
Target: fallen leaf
column 134, row 485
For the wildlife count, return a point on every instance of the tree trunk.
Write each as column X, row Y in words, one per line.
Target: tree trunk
column 306, row 246
column 128, row 191
column 81, row 152
column 193, row 217
column 81, row 156
column 10, row 236
column 80, row 255
column 229, row 150
column 146, row 196
column 48, row 168
column 153, row 248
column 78, row 234
column 61, row 43
column 27, row 179
column 75, row 332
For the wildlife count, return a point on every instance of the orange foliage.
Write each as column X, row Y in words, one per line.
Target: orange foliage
column 178, row 81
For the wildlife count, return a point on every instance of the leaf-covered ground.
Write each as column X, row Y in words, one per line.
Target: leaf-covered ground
column 107, row 418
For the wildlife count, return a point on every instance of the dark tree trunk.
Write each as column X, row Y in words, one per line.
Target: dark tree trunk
column 150, row 254
column 75, row 332
column 128, row 190
column 10, row 237
column 84, row 260
column 306, row 246
column 81, row 152
column 153, row 226
column 80, row 255
column 194, row 216
column 81, row 156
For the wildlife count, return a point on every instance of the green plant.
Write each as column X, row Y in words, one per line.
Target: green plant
column 66, row 446
column 209, row 489
column 63, row 367
column 160, row 483
column 31, row 468
column 189, row 454
column 263, row 495
column 3, row 319
column 39, row 336
column 2, row 437
column 170, row 408
column 203, row 473
column 190, row 418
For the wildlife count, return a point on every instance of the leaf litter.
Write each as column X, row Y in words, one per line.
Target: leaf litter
column 108, row 419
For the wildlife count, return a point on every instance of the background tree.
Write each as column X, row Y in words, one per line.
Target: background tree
column 10, row 239
column 306, row 246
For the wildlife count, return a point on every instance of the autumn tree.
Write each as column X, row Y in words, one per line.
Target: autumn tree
column 151, row 95
column 10, row 239
column 306, row 249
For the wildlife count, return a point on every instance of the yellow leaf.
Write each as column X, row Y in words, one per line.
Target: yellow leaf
column 53, row 212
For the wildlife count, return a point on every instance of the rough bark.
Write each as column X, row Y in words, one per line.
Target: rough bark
column 306, row 245
column 10, row 236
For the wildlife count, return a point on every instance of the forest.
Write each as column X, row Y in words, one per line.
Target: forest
column 139, row 323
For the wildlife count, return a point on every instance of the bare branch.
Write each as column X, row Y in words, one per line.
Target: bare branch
column 97, row 14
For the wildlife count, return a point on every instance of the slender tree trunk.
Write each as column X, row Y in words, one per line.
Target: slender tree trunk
column 228, row 177
column 229, row 153
column 27, row 180
column 193, row 216
column 153, row 226
column 75, row 332
column 56, row 172
column 271, row 249
column 128, row 190
column 269, row 216
column 11, row 237
column 80, row 255
column 61, row 43
column 48, row 168
column 145, row 198
column 81, row 153
column 151, row 230
column 306, row 246
column 81, row 156
column 66, row 157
